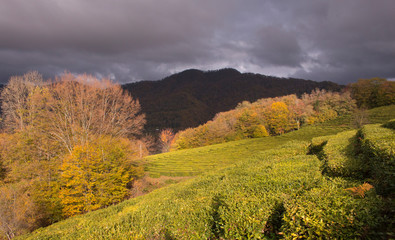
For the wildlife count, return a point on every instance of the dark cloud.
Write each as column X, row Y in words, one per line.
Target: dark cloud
column 131, row 40
column 278, row 47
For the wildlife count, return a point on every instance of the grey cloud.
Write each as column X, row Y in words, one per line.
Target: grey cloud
column 276, row 46
column 131, row 40
column 104, row 26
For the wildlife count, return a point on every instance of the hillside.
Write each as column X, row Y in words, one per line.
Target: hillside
column 192, row 97
column 192, row 162
column 299, row 187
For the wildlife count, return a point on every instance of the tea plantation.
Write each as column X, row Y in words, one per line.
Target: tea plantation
column 316, row 183
column 196, row 161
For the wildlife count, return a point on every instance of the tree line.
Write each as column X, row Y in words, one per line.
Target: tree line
column 268, row 116
column 275, row 116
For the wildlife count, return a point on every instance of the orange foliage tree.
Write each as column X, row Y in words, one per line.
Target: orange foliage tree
column 249, row 125
column 166, row 138
column 18, row 213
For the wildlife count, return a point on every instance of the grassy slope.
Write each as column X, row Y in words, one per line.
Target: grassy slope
column 192, row 162
column 241, row 198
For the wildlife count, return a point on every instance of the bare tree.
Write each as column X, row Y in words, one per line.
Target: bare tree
column 17, row 112
column 83, row 106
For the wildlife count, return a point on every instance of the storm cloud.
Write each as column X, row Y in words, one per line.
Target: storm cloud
column 131, row 40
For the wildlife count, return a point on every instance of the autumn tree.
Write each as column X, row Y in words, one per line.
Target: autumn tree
column 374, row 92
column 327, row 105
column 18, row 213
column 166, row 138
column 46, row 124
column 95, row 175
column 249, row 125
column 28, row 156
column 83, row 107
column 360, row 117
column 278, row 118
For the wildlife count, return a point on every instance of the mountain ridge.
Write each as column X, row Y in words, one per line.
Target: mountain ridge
column 192, row 97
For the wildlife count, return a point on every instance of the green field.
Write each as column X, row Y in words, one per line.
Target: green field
column 269, row 188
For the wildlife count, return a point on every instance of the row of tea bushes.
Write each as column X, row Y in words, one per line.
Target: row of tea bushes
column 340, row 155
column 378, row 148
column 366, row 155
column 330, row 212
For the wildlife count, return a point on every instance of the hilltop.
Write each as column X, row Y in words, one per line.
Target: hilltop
column 192, row 97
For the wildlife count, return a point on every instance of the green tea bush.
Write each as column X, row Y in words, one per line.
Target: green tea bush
column 341, row 158
column 390, row 124
column 329, row 212
column 378, row 147
column 317, row 145
column 381, row 114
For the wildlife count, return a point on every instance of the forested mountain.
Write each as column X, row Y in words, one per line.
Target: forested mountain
column 192, row 97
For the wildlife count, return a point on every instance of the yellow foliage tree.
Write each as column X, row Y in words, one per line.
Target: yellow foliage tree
column 278, row 118
column 249, row 125
column 95, row 175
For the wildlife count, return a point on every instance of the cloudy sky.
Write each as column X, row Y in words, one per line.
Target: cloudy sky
column 131, row 40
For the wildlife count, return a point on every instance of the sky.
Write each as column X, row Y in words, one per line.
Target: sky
column 132, row 40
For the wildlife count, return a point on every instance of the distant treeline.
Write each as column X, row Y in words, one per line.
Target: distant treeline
column 268, row 116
